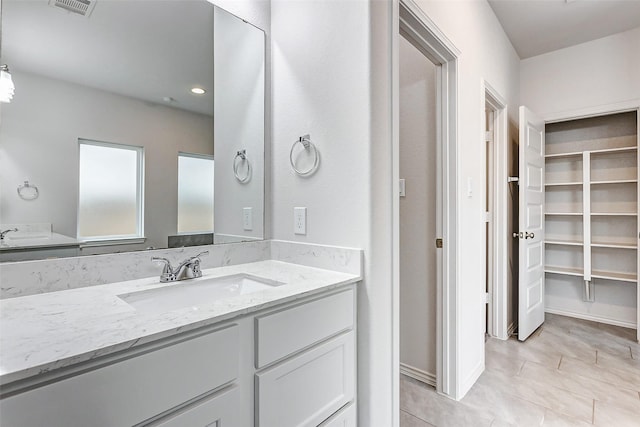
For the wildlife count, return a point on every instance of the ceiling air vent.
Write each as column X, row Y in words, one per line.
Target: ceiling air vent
column 81, row 7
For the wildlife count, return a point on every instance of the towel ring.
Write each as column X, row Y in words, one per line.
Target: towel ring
column 242, row 154
column 305, row 140
column 28, row 191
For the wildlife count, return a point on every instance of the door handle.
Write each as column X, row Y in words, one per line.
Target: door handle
column 525, row 235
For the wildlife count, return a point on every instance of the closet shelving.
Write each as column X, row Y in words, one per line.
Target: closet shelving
column 591, row 200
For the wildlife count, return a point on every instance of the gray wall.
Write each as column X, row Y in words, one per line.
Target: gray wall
column 417, row 210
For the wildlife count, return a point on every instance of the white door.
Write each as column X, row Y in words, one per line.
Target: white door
column 531, row 225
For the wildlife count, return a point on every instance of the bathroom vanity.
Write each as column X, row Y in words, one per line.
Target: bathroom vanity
column 278, row 349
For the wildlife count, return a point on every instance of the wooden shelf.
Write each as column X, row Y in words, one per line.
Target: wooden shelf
column 564, row 213
column 614, row 213
column 556, row 155
column 569, row 271
column 563, row 242
column 579, row 153
column 614, row 275
column 615, row 181
column 561, row 184
column 615, row 245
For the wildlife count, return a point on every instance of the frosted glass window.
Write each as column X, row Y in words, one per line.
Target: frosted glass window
column 110, row 193
column 195, row 193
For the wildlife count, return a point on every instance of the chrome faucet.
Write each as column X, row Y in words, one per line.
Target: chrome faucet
column 187, row 269
column 4, row 233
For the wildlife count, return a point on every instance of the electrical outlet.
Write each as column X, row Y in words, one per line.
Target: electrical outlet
column 247, row 218
column 300, row 220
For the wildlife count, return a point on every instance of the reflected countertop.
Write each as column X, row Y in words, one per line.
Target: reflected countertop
column 44, row 332
column 27, row 242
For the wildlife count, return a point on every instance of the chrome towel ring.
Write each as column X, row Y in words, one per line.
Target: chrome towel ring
column 242, row 155
column 28, row 191
column 306, row 143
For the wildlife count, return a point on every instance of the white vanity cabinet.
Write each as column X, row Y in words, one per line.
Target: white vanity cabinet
column 308, row 386
column 289, row 365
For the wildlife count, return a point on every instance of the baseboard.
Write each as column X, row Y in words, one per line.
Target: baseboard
column 418, row 374
column 587, row 316
column 471, row 379
column 511, row 329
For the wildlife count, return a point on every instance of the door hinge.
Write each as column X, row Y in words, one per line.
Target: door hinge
column 488, row 136
column 487, row 217
column 439, row 243
column 513, row 179
column 487, row 297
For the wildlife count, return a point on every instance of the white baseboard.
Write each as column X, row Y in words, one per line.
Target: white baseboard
column 511, row 329
column 418, row 374
column 593, row 318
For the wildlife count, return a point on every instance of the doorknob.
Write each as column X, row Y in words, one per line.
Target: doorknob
column 528, row 235
column 516, row 235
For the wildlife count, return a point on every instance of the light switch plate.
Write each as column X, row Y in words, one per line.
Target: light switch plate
column 247, row 218
column 402, row 187
column 300, row 220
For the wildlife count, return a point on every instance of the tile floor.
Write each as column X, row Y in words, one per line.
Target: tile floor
column 571, row 372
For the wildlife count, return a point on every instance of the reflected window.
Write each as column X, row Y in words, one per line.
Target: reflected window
column 195, row 193
column 110, row 191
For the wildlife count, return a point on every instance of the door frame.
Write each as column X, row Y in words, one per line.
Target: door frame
column 500, row 233
column 419, row 30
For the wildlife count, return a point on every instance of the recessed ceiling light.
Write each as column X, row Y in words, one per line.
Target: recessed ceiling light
column 198, row 90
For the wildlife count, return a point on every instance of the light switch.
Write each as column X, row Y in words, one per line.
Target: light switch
column 247, row 218
column 469, row 187
column 402, row 186
column 300, row 220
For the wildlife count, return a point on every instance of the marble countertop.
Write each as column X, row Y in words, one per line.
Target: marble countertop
column 44, row 332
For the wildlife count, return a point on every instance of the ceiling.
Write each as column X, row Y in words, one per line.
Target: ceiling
column 540, row 26
column 145, row 49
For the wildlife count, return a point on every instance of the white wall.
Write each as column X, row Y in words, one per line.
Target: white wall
column 239, row 103
column 486, row 53
column 332, row 79
column 418, row 167
column 592, row 74
column 322, row 86
column 39, row 134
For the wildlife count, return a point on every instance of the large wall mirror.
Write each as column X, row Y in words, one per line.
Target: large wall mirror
column 134, row 125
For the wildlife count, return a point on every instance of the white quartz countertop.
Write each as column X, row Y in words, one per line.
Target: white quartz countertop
column 44, row 332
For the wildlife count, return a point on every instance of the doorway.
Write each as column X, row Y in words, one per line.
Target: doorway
column 418, row 214
column 497, row 254
column 424, row 35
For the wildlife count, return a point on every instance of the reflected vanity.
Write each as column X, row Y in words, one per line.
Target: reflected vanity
column 129, row 121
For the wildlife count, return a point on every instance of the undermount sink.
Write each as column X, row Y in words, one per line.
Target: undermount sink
column 196, row 292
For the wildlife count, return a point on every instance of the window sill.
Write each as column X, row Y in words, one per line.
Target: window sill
column 112, row 242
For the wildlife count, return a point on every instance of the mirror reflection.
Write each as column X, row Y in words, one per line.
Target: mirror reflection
column 134, row 125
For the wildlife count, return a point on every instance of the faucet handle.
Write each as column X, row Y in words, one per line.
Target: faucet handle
column 167, row 264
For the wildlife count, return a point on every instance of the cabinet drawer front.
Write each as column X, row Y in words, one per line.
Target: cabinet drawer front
column 346, row 417
column 132, row 390
column 306, row 390
column 219, row 410
column 286, row 332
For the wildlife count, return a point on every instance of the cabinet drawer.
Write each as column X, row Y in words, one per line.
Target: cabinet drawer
column 283, row 333
column 309, row 388
column 132, row 390
column 219, row 410
column 346, row 417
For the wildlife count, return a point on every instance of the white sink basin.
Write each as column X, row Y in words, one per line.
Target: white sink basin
column 196, row 292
